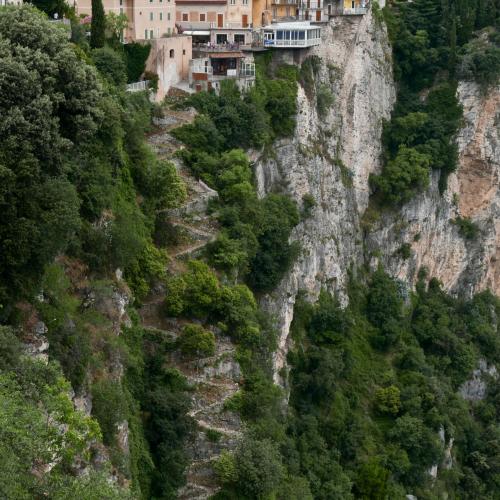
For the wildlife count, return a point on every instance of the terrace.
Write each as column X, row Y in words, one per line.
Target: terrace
column 292, row 35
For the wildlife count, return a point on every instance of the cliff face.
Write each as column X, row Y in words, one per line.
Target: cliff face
column 464, row 266
column 331, row 157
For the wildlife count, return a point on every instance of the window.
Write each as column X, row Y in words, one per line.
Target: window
column 244, row 2
column 183, row 52
column 121, row 10
column 279, row 35
column 185, row 17
column 203, row 17
column 232, row 2
column 239, row 38
column 221, row 38
column 161, row 16
column 145, row 34
column 302, row 35
column 121, row 2
column 172, row 53
column 151, row 35
column 169, row 31
column 168, row 17
column 151, row 16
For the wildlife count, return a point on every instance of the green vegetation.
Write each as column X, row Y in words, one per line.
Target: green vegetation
column 253, row 244
column 431, row 40
column 32, row 394
column 79, row 183
column 468, row 229
column 196, row 341
column 98, row 25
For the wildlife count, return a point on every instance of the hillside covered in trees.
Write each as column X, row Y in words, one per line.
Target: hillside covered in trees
column 376, row 397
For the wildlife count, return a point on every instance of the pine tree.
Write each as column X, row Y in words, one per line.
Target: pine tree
column 98, row 26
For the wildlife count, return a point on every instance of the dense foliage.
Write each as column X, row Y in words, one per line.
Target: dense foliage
column 433, row 44
column 253, row 243
column 373, row 387
column 79, row 197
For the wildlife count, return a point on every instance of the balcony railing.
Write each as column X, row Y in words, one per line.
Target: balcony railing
column 220, row 47
column 292, row 43
column 206, row 25
column 357, row 11
column 138, row 86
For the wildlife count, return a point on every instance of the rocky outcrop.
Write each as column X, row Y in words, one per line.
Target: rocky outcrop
column 331, row 157
column 463, row 266
column 474, row 389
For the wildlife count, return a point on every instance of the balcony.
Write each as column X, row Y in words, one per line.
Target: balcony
column 206, row 26
column 285, row 2
column 225, row 47
column 357, row 11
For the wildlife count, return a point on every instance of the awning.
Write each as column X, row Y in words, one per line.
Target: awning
column 196, row 32
column 225, row 55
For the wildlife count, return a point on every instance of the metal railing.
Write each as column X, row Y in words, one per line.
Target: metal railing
column 206, row 25
column 138, row 86
column 220, row 47
column 292, row 43
column 357, row 11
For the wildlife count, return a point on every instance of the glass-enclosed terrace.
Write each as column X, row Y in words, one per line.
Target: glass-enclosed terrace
column 292, row 35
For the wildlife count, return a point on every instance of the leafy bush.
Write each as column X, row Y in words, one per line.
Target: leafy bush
column 324, row 100
column 136, row 57
column 387, row 400
column 111, row 65
column 406, row 174
column 467, row 228
column 480, row 60
column 108, row 394
column 196, row 341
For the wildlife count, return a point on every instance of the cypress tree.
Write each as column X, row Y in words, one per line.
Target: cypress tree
column 98, row 25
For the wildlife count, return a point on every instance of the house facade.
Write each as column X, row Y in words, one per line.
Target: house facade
column 147, row 19
column 217, row 64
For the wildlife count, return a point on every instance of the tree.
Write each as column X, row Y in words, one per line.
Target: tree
column 403, row 176
column 196, row 341
column 111, row 65
column 98, row 25
column 259, row 468
column 115, row 25
column 387, row 400
column 49, row 106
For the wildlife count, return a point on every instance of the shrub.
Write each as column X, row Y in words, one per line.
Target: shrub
column 136, row 56
column 406, row 174
column 480, row 61
column 324, row 99
column 195, row 341
column 466, row 227
column 259, row 468
column 108, row 394
column 404, row 251
column 387, row 400
column 174, row 298
column 308, row 204
column 111, row 65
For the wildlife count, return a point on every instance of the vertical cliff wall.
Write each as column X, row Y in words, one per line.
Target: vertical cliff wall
column 331, row 157
column 465, row 266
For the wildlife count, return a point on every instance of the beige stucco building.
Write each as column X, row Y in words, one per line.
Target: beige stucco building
column 169, row 59
column 148, row 19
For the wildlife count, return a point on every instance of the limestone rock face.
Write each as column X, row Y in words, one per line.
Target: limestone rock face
column 464, row 266
column 330, row 158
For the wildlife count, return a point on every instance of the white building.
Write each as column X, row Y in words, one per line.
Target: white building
column 294, row 35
